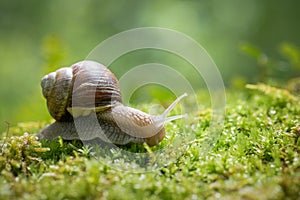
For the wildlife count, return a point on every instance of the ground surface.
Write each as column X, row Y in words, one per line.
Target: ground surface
column 256, row 157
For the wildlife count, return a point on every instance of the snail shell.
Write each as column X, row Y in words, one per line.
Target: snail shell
column 76, row 94
column 95, row 86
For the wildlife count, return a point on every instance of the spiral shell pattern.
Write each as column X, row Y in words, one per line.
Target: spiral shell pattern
column 86, row 84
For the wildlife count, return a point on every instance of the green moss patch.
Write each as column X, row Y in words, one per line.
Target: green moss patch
column 256, row 157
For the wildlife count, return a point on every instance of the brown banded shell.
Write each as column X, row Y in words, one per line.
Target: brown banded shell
column 84, row 85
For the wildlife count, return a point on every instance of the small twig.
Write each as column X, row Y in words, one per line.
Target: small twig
column 7, row 132
column 149, row 150
column 193, row 141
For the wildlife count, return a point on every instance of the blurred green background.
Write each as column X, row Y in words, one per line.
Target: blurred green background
column 250, row 41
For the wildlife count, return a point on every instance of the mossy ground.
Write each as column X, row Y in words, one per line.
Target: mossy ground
column 256, row 157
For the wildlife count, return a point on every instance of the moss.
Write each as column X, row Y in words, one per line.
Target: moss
column 256, row 157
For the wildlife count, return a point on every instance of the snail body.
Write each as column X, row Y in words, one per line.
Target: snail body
column 86, row 91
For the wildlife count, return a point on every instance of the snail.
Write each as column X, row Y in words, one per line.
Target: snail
column 88, row 90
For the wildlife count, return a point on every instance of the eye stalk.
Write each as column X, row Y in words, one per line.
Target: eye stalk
column 162, row 119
